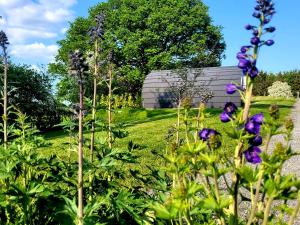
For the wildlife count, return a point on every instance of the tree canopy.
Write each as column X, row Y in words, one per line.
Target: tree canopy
column 145, row 35
column 29, row 91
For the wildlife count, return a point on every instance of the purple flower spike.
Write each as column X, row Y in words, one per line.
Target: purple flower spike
column 244, row 63
column 252, row 128
column 230, row 108
column 256, row 141
column 269, row 42
column 270, row 29
column 224, row 117
column 258, row 118
column 248, row 27
column 252, row 155
column 255, row 40
column 231, row 89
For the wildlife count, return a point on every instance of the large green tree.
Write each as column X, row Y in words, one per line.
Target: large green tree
column 145, row 35
column 30, row 92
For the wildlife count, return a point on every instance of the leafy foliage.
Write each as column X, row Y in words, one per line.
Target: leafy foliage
column 145, row 36
column 30, row 92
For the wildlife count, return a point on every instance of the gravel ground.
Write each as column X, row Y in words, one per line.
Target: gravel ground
column 292, row 166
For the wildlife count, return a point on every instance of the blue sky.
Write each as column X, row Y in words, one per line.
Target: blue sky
column 232, row 15
column 34, row 27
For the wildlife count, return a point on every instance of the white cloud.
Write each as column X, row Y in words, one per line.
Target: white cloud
column 29, row 23
column 34, row 52
column 20, row 35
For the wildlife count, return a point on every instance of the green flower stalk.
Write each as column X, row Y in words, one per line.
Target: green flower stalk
column 3, row 43
column 78, row 67
column 110, row 92
column 96, row 34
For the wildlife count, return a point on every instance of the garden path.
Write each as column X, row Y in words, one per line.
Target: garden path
column 293, row 165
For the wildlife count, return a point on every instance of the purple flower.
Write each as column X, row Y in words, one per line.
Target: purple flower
column 224, row 117
column 248, row 27
column 269, row 42
column 256, row 15
column 241, row 55
column 258, row 118
column 244, row 63
column 255, row 40
column 205, row 133
column 252, row 155
column 231, row 89
column 270, row 29
column 266, row 21
column 230, row 108
column 255, row 141
column 253, row 72
column 257, row 7
column 244, row 49
column 252, row 127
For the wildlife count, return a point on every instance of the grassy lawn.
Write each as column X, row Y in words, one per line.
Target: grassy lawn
column 148, row 128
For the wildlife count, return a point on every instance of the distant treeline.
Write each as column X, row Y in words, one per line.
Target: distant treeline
column 265, row 80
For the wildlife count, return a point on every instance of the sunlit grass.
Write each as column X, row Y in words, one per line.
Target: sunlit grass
column 148, row 128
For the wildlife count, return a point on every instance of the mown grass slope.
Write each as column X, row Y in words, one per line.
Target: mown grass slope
column 148, row 128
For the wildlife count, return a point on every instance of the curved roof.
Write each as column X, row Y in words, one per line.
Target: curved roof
column 156, row 89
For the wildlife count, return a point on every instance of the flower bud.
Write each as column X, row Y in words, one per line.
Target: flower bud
column 269, row 42
column 248, row 27
column 289, row 125
column 274, row 111
column 279, row 149
column 202, row 106
column 186, row 103
column 270, row 29
column 255, row 40
column 214, row 141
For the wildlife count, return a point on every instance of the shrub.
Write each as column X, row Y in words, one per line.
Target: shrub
column 124, row 101
column 280, row 89
column 264, row 80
